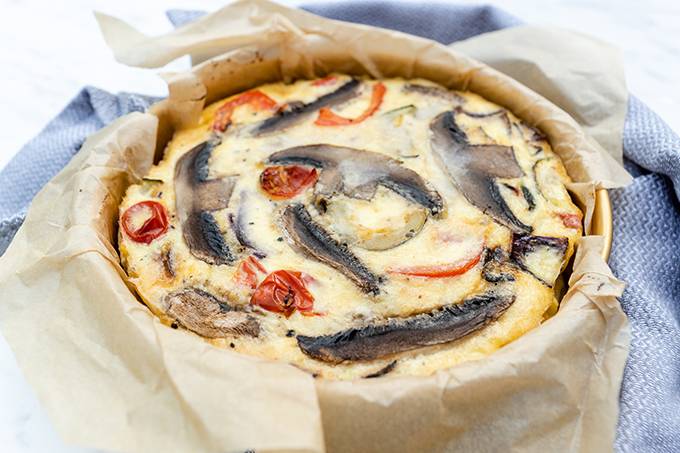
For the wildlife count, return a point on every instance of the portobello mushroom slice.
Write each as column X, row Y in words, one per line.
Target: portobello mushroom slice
column 297, row 111
column 206, row 315
column 540, row 256
column 311, row 239
column 238, row 225
column 500, row 114
column 495, row 266
column 382, row 371
column 434, row 91
column 396, row 335
column 357, row 174
column 474, row 169
column 196, row 197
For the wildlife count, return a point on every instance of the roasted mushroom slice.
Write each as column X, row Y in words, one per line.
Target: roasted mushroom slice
column 382, row 371
column 495, row 266
column 311, row 239
column 206, row 315
column 238, row 225
column 498, row 115
column 540, row 256
column 297, row 111
column 474, row 169
column 167, row 258
column 396, row 335
column 434, row 91
column 196, row 197
column 357, row 173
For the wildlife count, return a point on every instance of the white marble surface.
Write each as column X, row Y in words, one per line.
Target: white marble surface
column 50, row 49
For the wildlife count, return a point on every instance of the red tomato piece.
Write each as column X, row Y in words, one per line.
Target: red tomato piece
column 246, row 272
column 255, row 98
column 328, row 118
column 287, row 181
column 570, row 220
column 284, row 292
column 154, row 225
column 440, row 270
column 329, row 80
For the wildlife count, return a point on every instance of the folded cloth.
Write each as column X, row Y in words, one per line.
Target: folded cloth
column 645, row 252
column 42, row 158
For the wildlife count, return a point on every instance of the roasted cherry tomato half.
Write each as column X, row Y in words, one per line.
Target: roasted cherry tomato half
column 145, row 221
column 247, row 272
column 284, row 292
column 570, row 220
column 287, row 181
column 255, row 98
column 329, row 80
column 328, row 118
column 440, row 270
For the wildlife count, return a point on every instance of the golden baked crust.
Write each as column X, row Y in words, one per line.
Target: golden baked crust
column 426, row 181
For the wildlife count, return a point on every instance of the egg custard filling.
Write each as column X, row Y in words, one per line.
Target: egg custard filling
column 352, row 227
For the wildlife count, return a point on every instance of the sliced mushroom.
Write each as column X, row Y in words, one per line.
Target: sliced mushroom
column 297, row 111
column 435, row 91
column 196, row 197
column 167, row 258
column 206, row 315
column 474, row 168
column 311, row 239
column 443, row 325
column 357, row 173
column 500, row 114
column 495, row 266
column 540, row 256
column 238, row 225
column 382, row 371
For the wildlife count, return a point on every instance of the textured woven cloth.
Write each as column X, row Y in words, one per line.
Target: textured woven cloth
column 645, row 253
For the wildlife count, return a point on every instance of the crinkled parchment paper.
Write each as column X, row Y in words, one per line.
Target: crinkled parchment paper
column 111, row 376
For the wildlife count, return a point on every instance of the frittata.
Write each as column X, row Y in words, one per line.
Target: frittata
column 353, row 227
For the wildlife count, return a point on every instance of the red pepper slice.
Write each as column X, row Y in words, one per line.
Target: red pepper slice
column 328, row 80
column 570, row 220
column 155, row 225
column 438, row 271
column 284, row 292
column 257, row 99
column 246, row 272
column 328, row 118
column 283, row 182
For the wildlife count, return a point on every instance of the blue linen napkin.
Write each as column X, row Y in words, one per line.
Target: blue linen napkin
column 645, row 252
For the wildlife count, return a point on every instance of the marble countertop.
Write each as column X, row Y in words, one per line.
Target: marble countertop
column 52, row 49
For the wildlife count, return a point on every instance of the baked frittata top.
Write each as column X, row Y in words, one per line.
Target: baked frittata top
column 352, row 227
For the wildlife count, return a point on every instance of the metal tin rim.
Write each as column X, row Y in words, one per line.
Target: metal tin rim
column 601, row 224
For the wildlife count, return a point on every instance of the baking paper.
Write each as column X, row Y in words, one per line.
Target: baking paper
column 112, row 377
